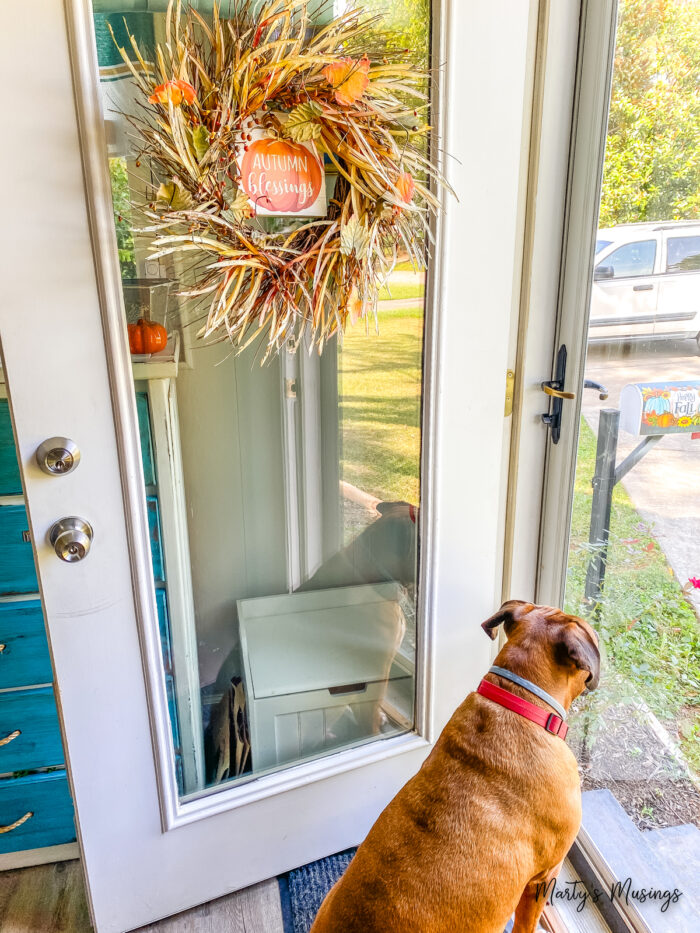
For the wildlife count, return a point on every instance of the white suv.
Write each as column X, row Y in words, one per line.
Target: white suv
column 646, row 282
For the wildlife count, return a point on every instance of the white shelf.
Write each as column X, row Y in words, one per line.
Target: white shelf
column 161, row 365
column 12, row 500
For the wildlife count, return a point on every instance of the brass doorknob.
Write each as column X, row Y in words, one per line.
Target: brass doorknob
column 71, row 538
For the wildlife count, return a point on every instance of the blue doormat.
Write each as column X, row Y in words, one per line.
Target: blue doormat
column 303, row 889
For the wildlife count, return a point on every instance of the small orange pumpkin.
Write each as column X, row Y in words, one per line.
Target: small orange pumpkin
column 147, row 336
column 281, row 175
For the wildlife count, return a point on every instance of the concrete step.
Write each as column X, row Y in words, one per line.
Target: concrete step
column 679, row 848
column 643, row 875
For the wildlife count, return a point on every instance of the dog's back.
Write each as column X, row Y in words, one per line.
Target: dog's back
column 456, row 847
column 490, row 816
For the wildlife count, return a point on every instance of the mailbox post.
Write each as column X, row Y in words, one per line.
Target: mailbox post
column 603, row 485
column 649, row 410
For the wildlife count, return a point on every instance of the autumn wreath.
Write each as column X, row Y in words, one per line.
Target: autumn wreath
column 242, row 116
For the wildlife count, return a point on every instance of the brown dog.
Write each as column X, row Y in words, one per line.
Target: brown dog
column 492, row 812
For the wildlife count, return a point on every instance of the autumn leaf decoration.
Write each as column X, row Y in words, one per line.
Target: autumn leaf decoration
column 173, row 91
column 348, row 78
column 353, row 239
column 173, row 197
column 263, row 78
column 406, row 187
column 240, row 207
column 302, row 123
column 200, row 141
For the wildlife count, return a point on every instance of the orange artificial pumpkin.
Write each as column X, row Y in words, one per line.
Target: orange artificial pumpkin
column 280, row 175
column 147, row 337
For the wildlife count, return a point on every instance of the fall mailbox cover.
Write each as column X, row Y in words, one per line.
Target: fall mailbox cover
column 661, row 407
column 282, row 177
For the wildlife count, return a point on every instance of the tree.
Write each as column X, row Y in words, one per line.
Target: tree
column 652, row 158
column 122, row 216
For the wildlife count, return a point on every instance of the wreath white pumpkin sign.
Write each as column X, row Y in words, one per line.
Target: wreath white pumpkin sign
column 282, row 177
column 240, row 115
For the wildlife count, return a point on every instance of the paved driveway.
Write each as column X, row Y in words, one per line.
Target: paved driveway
column 665, row 485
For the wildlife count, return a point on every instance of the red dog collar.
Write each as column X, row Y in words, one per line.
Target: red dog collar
column 550, row 721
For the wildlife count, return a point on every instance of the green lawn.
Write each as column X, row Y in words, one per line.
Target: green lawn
column 380, row 384
column 650, row 632
column 402, row 291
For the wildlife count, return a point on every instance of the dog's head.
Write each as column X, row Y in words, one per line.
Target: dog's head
column 539, row 635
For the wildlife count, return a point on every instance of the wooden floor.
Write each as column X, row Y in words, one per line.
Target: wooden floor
column 51, row 899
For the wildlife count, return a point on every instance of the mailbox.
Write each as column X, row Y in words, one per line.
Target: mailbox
column 649, row 408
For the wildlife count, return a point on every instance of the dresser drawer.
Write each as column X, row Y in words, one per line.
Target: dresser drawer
column 24, row 651
column 172, row 707
column 10, row 483
column 32, row 714
column 47, row 798
column 155, row 536
column 149, row 472
column 17, row 573
column 164, row 628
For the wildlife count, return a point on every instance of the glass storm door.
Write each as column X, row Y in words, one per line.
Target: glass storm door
column 280, row 605
column 620, row 539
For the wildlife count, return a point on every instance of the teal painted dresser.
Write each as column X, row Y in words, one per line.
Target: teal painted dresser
column 153, row 508
column 36, row 811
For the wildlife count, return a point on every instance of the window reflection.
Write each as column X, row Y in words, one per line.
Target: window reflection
column 283, row 500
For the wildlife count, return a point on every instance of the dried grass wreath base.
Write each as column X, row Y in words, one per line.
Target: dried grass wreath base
column 264, row 65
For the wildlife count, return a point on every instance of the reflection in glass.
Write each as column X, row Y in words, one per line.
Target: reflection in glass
column 283, row 500
column 636, row 573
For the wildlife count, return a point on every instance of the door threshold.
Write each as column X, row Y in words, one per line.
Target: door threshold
column 573, row 911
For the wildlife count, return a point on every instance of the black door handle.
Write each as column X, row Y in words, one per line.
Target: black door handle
column 555, row 389
column 642, row 288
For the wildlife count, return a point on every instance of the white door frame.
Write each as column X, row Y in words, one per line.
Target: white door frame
column 576, row 51
column 589, row 126
column 146, row 853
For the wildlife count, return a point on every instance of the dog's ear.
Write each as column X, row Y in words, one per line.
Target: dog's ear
column 511, row 611
column 574, row 645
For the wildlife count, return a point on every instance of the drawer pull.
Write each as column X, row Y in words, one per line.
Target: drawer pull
column 2, row 648
column 347, row 688
column 22, row 819
column 10, row 738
